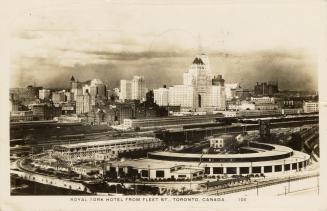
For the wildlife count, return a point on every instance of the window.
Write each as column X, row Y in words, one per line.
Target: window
column 294, row 166
column 278, row 168
column 267, row 169
column 145, row 173
column 287, row 167
column 231, row 170
column 244, row 170
column 160, row 173
column 218, row 170
column 256, row 169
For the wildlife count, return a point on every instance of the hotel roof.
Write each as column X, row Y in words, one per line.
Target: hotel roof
column 198, row 61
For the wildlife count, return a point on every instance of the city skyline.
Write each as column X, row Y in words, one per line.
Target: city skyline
column 167, row 100
column 64, row 42
column 288, row 69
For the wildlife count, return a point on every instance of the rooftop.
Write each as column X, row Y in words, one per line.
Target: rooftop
column 279, row 150
column 98, row 143
column 147, row 163
column 198, row 61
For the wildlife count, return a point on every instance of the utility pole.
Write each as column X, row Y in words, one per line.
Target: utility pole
column 257, row 188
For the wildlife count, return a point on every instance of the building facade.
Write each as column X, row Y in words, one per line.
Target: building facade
column 266, row 88
column 310, row 107
column 83, row 103
column 138, row 88
column 217, row 97
column 44, row 94
column 125, row 90
column 182, row 95
column 113, row 148
column 59, row 97
column 161, row 96
column 230, row 90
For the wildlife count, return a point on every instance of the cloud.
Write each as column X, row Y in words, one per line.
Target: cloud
column 293, row 69
column 28, row 35
column 139, row 55
column 53, row 41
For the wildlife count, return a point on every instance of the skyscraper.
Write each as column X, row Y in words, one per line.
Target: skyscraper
column 83, row 103
column 133, row 89
column 138, row 88
column 200, row 90
column 76, row 88
column 125, row 90
column 217, row 97
column 200, row 78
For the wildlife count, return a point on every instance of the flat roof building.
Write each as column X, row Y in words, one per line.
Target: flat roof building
column 89, row 150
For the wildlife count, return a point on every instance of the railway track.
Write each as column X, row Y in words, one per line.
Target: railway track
column 254, row 185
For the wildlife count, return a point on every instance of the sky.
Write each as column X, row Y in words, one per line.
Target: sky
column 113, row 40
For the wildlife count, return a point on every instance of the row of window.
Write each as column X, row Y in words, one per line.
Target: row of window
column 255, row 169
column 242, row 159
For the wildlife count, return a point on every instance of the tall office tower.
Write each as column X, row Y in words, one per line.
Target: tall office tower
column 204, row 57
column 83, row 103
column 76, row 88
column 218, row 95
column 200, row 78
column 218, row 98
column 97, row 88
column 97, row 91
column 218, row 81
column 161, row 96
column 125, row 90
column 138, row 88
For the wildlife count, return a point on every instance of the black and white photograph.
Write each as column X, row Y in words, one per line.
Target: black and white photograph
column 184, row 101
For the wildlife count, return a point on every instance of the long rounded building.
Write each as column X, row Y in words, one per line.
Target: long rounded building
column 260, row 158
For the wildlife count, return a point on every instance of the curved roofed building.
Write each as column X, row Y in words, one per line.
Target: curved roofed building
column 261, row 158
